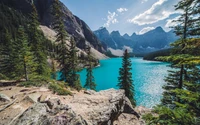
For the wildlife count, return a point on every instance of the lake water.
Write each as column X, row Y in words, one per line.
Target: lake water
column 147, row 75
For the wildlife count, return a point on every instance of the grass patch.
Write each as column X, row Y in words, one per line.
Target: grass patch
column 59, row 88
column 31, row 83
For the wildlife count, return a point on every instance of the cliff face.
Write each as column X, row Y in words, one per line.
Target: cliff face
column 73, row 25
column 40, row 106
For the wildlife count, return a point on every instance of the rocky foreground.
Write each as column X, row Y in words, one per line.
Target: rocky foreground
column 38, row 106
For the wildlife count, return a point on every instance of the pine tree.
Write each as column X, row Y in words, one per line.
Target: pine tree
column 67, row 54
column 61, row 37
column 7, row 63
column 53, row 69
column 125, row 78
column 182, row 92
column 175, row 78
column 36, row 41
column 72, row 78
column 90, row 82
column 24, row 57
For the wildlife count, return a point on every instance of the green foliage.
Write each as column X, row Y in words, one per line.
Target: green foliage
column 125, row 78
column 3, row 77
column 53, row 69
column 181, row 98
column 61, row 38
column 36, row 40
column 72, row 65
column 90, row 82
column 10, row 20
column 22, row 45
column 7, row 64
column 109, row 54
column 167, row 116
column 31, row 83
column 24, row 57
column 59, row 88
column 77, row 83
column 67, row 54
column 153, row 55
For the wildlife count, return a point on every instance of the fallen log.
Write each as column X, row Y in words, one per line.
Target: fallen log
column 8, row 105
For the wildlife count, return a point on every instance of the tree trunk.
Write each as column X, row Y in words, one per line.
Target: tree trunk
column 25, row 71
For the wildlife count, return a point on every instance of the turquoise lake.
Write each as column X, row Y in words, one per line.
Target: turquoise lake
column 147, row 75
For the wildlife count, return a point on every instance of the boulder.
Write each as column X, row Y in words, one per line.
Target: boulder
column 4, row 98
column 128, row 119
column 85, row 108
column 41, row 114
column 102, row 107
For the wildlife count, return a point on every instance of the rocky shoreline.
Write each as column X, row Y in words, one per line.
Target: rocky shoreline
column 40, row 106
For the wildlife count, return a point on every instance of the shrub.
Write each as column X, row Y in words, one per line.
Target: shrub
column 31, row 83
column 59, row 88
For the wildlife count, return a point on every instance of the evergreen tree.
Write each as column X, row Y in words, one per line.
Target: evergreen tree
column 72, row 78
column 36, row 41
column 53, row 70
column 175, row 78
column 183, row 89
column 61, row 37
column 24, row 57
column 67, row 54
column 90, row 82
column 125, row 78
column 7, row 63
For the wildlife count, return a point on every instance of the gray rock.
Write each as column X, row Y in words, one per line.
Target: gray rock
column 4, row 98
column 74, row 26
column 88, row 108
column 41, row 114
column 89, row 92
column 102, row 107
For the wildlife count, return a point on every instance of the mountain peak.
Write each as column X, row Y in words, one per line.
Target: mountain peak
column 115, row 33
column 102, row 31
column 102, row 28
column 126, row 35
column 159, row 29
column 133, row 34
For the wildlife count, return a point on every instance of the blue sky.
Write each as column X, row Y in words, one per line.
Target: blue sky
column 126, row 16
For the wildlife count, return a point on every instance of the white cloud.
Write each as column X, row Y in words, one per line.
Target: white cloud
column 111, row 19
column 146, row 29
column 171, row 22
column 143, row 1
column 160, row 10
column 120, row 10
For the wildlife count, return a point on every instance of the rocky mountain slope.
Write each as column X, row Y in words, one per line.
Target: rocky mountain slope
column 50, row 34
column 151, row 41
column 74, row 26
column 22, row 106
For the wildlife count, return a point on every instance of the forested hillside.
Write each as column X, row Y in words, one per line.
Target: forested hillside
column 28, row 57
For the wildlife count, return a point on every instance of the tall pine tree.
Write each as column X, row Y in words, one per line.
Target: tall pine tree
column 61, row 37
column 24, row 57
column 73, row 79
column 180, row 104
column 7, row 62
column 125, row 78
column 176, row 77
column 90, row 82
column 36, row 41
column 67, row 54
